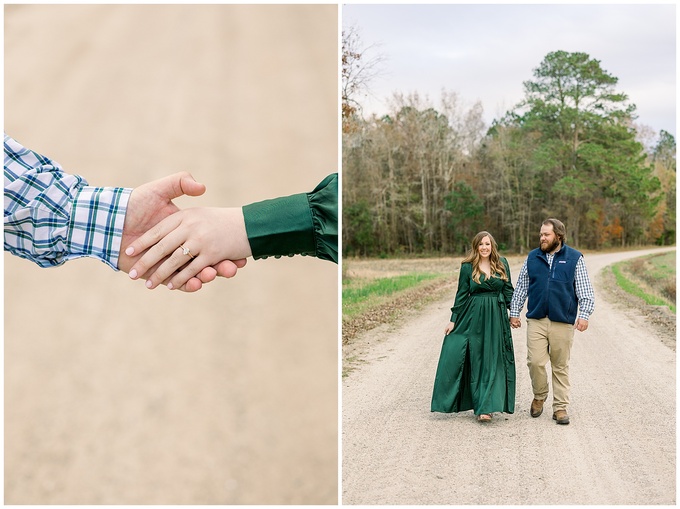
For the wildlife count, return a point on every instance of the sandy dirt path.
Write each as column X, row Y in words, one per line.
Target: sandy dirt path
column 618, row 449
column 115, row 394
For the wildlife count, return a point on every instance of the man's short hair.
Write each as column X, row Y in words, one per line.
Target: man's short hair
column 558, row 227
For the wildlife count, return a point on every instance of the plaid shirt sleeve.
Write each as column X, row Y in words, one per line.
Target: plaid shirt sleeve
column 584, row 291
column 521, row 292
column 52, row 217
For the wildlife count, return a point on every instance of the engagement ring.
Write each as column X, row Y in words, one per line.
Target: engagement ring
column 186, row 252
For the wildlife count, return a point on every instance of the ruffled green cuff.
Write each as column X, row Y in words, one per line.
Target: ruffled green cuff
column 305, row 224
column 280, row 227
column 323, row 202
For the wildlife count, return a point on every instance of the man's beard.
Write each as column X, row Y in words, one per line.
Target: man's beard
column 549, row 248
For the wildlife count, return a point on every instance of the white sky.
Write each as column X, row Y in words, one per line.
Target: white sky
column 485, row 52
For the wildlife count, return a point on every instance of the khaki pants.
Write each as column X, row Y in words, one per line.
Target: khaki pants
column 549, row 341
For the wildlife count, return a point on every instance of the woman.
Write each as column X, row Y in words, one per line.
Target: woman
column 476, row 368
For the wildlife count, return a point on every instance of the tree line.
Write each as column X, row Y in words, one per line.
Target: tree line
column 424, row 180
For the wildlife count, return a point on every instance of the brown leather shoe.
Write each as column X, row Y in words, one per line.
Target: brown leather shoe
column 561, row 417
column 536, row 407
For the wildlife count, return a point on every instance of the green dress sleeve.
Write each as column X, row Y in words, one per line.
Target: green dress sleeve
column 304, row 223
column 508, row 289
column 463, row 293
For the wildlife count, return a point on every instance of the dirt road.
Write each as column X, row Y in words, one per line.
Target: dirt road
column 115, row 394
column 618, row 449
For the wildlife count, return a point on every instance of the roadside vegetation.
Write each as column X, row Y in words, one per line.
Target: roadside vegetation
column 650, row 278
column 358, row 295
column 376, row 292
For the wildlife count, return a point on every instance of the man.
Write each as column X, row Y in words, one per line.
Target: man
column 51, row 217
column 555, row 279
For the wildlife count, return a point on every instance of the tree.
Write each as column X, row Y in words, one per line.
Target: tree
column 665, row 150
column 586, row 134
column 466, row 216
column 402, row 166
column 663, row 157
column 511, row 186
column 358, row 69
column 358, row 238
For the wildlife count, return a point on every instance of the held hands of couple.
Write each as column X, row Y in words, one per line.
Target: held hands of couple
column 188, row 243
column 580, row 325
column 151, row 203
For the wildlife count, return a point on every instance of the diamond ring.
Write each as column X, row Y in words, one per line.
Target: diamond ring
column 186, row 252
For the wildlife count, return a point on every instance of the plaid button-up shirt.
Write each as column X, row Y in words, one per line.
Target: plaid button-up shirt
column 584, row 289
column 52, row 217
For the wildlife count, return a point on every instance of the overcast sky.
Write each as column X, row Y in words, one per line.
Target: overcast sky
column 486, row 52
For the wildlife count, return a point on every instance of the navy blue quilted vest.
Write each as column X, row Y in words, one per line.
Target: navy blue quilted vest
column 552, row 291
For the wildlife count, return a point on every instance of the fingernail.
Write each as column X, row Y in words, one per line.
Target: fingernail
column 169, row 286
column 133, row 274
column 149, row 284
column 129, row 251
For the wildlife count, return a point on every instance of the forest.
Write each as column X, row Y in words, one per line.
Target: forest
column 424, row 179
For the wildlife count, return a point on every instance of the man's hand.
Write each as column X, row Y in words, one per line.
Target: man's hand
column 581, row 325
column 152, row 202
column 515, row 322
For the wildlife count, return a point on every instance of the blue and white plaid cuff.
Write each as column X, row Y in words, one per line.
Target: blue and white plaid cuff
column 97, row 220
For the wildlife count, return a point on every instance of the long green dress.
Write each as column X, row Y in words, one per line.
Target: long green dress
column 476, row 368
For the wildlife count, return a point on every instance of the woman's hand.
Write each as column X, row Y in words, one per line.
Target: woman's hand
column 193, row 240
column 449, row 328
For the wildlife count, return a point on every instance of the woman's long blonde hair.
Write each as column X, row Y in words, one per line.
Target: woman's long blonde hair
column 473, row 257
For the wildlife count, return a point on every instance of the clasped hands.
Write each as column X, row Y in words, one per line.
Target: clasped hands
column 580, row 325
column 157, row 234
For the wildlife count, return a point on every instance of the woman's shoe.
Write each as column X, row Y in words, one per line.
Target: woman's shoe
column 484, row 417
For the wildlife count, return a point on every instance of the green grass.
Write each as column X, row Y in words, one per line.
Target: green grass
column 650, row 278
column 358, row 294
column 662, row 266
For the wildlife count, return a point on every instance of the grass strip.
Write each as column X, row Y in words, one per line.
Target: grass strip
column 390, row 308
column 633, row 289
column 357, row 296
